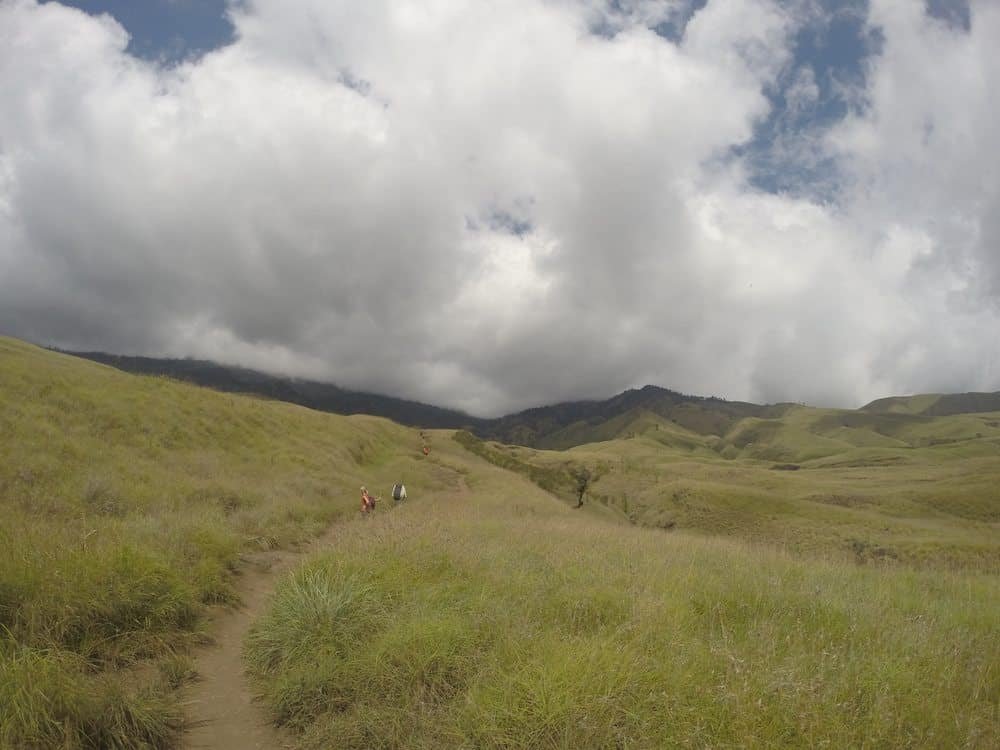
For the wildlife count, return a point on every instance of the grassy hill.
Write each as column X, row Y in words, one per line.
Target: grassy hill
column 127, row 504
column 852, row 602
column 321, row 396
column 558, row 426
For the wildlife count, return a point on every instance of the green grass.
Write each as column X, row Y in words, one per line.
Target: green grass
column 128, row 503
column 51, row 699
column 853, row 602
column 499, row 618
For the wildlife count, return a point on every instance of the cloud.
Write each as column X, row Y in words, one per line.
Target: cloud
column 495, row 206
column 918, row 160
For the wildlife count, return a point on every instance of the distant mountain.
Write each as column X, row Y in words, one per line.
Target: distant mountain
column 672, row 418
column 315, row 395
column 578, row 422
column 558, row 426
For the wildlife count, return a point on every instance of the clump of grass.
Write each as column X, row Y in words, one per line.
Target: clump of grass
column 340, row 635
column 51, row 699
column 309, row 612
column 109, row 603
column 99, row 497
column 176, row 670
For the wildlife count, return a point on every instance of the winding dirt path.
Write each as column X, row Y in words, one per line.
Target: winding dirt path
column 222, row 713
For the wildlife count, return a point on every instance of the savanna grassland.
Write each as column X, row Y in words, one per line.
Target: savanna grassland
column 494, row 616
column 706, row 594
column 127, row 504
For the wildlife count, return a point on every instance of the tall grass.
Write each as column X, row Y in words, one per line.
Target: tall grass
column 128, row 503
column 51, row 699
column 483, row 613
column 499, row 618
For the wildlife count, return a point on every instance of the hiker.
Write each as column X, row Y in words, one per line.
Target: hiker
column 367, row 501
column 398, row 492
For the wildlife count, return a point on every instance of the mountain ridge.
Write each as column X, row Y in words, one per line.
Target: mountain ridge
column 554, row 426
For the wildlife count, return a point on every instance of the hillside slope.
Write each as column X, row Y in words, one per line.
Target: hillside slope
column 557, row 426
column 320, row 396
column 127, row 504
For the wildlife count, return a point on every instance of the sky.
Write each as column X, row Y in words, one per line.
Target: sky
column 492, row 206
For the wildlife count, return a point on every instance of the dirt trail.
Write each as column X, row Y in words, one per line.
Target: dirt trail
column 222, row 713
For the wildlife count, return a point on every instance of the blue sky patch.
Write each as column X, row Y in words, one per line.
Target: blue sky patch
column 955, row 13
column 673, row 28
column 819, row 88
column 166, row 31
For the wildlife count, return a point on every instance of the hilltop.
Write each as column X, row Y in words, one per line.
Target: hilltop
column 578, row 422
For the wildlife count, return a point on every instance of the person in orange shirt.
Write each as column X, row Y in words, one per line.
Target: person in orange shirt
column 367, row 501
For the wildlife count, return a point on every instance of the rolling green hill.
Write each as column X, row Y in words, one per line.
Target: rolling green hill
column 578, row 422
column 889, row 487
column 128, row 504
column 705, row 594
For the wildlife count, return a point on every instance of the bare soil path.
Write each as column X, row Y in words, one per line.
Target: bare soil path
column 222, row 712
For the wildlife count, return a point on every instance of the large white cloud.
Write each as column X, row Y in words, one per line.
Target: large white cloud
column 924, row 195
column 498, row 205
